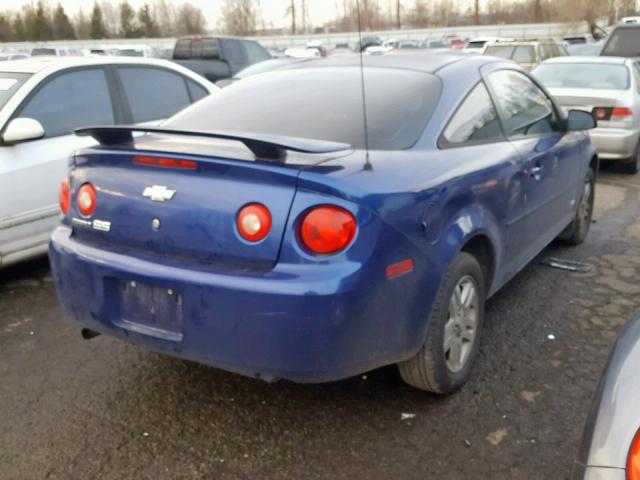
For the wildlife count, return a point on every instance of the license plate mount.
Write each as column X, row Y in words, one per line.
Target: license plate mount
column 151, row 310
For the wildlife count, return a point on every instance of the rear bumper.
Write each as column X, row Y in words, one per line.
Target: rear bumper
column 613, row 143
column 298, row 322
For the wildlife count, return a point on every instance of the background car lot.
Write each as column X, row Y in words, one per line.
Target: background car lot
column 101, row 408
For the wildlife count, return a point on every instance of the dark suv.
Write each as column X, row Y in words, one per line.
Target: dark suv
column 217, row 58
column 624, row 41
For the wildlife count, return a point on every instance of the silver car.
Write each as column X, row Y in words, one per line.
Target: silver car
column 611, row 442
column 42, row 101
column 609, row 88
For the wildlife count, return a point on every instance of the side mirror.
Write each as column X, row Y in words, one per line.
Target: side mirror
column 22, row 129
column 579, row 120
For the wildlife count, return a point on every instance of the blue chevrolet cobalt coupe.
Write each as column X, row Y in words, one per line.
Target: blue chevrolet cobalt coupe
column 323, row 220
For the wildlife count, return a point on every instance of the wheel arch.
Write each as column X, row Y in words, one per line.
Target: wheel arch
column 482, row 249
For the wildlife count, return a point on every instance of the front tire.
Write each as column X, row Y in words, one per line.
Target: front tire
column 577, row 231
column 444, row 362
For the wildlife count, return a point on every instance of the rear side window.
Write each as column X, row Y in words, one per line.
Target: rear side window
column 197, row 92
column 71, row 100
column 636, row 74
column 9, row 84
column 623, row 42
column 476, row 120
column 399, row 104
column 182, row 50
column 153, row 93
column 524, row 107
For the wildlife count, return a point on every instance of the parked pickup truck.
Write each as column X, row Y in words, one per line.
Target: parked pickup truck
column 217, row 58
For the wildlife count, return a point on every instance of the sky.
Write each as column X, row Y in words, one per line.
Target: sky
column 274, row 11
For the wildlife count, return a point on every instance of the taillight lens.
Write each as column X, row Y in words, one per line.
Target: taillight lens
column 64, row 196
column 621, row 113
column 327, row 229
column 633, row 460
column 615, row 113
column 87, row 199
column 254, row 222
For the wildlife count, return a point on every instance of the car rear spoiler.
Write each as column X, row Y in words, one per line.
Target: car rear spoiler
column 264, row 147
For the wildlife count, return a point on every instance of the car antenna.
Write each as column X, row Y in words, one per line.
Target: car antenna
column 367, row 164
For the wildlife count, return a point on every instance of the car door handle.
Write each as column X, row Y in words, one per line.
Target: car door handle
column 535, row 172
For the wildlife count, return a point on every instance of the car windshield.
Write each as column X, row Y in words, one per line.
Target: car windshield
column 476, row 44
column 517, row 53
column 595, row 76
column 624, row 42
column 9, row 84
column 398, row 104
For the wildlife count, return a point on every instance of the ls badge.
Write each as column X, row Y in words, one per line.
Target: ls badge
column 158, row 193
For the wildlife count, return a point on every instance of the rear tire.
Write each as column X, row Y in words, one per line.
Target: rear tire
column 577, row 231
column 632, row 166
column 444, row 362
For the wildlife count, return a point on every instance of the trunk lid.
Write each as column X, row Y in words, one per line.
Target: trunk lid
column 586, row 99
column 183, row 213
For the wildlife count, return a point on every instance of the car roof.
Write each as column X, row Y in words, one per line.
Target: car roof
column 52, row 63
column 588, row 59
column 422, row 61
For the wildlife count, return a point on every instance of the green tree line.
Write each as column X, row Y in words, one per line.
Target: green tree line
column 43, row 21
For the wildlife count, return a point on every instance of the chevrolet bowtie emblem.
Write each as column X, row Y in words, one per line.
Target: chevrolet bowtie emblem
column 158, row 193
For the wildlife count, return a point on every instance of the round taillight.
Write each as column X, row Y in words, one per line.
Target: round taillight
column 87, row 199
column 64, row 196
column 327, row 229
column 254, row 222
column 633, row 460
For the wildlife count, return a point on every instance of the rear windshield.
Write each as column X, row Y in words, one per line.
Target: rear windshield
column 9, row 85
column 623, row 42
column 37, row 52
column 476, row 44
column 399, row 105
column 130, row 52
column 517, row 53
column 597, row 76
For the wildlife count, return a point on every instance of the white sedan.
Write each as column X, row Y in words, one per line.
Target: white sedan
column 42, row 101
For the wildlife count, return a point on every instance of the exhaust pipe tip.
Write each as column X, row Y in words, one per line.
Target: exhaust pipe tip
column 88, row 334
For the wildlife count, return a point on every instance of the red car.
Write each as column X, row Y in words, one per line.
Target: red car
column 456, row 43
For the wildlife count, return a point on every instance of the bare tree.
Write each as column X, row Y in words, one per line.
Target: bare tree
column 190, row 20
column 239, row 17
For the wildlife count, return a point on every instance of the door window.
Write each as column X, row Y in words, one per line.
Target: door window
column 153, row 93
column 476, row 120
column 71, row 100
column 525, row 109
